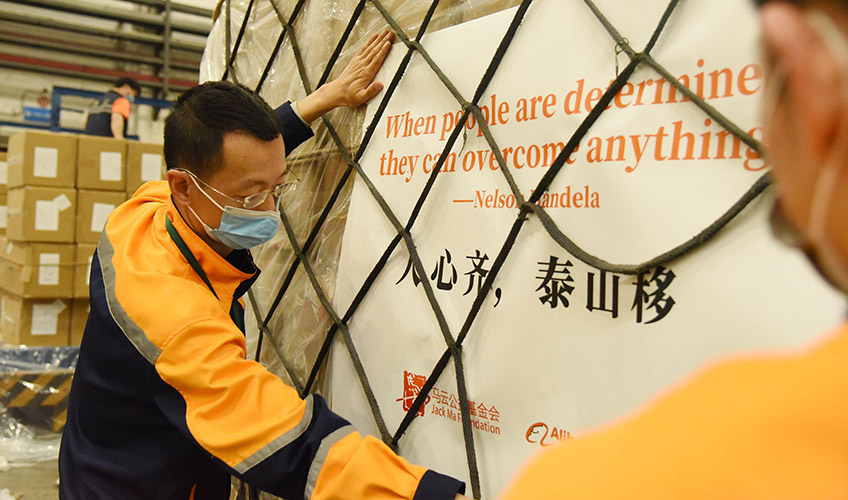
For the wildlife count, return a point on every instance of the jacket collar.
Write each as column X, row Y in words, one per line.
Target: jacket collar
column 224, row 276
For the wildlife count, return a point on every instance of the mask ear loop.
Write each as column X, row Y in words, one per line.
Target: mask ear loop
column 205, row 193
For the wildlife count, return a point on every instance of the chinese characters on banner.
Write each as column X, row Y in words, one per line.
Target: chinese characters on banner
column 556, row 285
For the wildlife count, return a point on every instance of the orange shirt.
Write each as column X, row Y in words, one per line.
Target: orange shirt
column 758, row 428
column 121, row 106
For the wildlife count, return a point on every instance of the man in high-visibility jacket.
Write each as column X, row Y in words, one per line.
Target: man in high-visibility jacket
column 164, row 404
column 770, row 427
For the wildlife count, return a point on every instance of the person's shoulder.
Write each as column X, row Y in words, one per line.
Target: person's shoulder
column 152, row 283
column 753, row 421
column 151, row 197
column 122, row 106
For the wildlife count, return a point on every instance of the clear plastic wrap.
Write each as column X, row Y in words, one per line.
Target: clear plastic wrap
column 300, row 321
column 34, row 386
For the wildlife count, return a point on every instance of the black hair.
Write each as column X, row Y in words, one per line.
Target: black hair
column 132, row 82
column 195, row 129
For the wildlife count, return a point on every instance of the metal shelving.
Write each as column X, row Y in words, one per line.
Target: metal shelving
column 164, row 51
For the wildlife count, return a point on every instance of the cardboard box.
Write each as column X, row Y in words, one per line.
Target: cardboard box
column 145, row 162
column 79, row 316
column 42, row 159
column 4, row 215
column 101, row 163
column 82, row 268
column 37, row 270
column 4, row 174
column 93, row 207
column 42, row 214
column 35, row 322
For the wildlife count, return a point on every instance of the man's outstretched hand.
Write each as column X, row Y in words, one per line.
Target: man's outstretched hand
column 356, row 85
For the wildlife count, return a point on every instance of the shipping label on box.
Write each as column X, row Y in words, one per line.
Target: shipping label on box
column 37, row 270
column 101, row 163
column 41, row 159
column 34, row 322
column 79, row 316
column 93, row 207
column 41, row 214
column 82, row 268
column 145, row 162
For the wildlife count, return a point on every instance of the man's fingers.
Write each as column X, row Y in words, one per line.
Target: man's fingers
column 373, row 49
column 373, row 42
column 377, row 45
column 379, row 56
column 364, row 53
column 370, row 41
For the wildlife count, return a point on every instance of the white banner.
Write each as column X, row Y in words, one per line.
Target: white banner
column 558, row 346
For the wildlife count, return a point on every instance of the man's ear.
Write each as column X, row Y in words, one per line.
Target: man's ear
column 813, row 75
column 180, row 185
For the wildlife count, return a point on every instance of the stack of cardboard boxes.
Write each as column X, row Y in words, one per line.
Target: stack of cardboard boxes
column 61, row 188
column 4, row 183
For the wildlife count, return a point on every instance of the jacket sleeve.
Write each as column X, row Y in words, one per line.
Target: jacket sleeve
column 294, row 131
column 252, row 423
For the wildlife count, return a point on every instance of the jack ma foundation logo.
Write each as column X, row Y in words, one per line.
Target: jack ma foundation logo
column 446, row 405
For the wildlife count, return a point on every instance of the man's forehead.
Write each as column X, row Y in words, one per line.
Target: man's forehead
column 250, row 160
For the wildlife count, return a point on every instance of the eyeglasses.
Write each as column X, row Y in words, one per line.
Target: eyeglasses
column 256, row 199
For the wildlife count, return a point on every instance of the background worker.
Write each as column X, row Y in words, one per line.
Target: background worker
column 771, row 427
column 110, row 115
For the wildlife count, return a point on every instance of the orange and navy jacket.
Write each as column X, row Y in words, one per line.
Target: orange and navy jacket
column 164, row 404
column 769, row 427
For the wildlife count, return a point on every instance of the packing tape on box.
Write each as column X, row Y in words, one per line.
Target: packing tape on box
column 61, row 264
column 48, row 271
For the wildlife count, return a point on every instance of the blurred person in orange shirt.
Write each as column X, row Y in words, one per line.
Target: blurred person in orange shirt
column 772, row 427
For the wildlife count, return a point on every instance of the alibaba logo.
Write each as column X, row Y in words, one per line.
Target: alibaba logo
column 537, row 434
column 540, row 432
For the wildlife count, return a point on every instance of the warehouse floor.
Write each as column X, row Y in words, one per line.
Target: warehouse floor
column 34, row 482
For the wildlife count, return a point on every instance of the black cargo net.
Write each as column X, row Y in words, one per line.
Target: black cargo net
column 526, row 207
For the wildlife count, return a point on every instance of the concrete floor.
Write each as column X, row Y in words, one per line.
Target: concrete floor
column 38, row 481
column 34, row 482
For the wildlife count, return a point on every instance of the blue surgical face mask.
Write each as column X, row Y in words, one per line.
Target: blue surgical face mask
column 241, row 228
column 131, row 98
